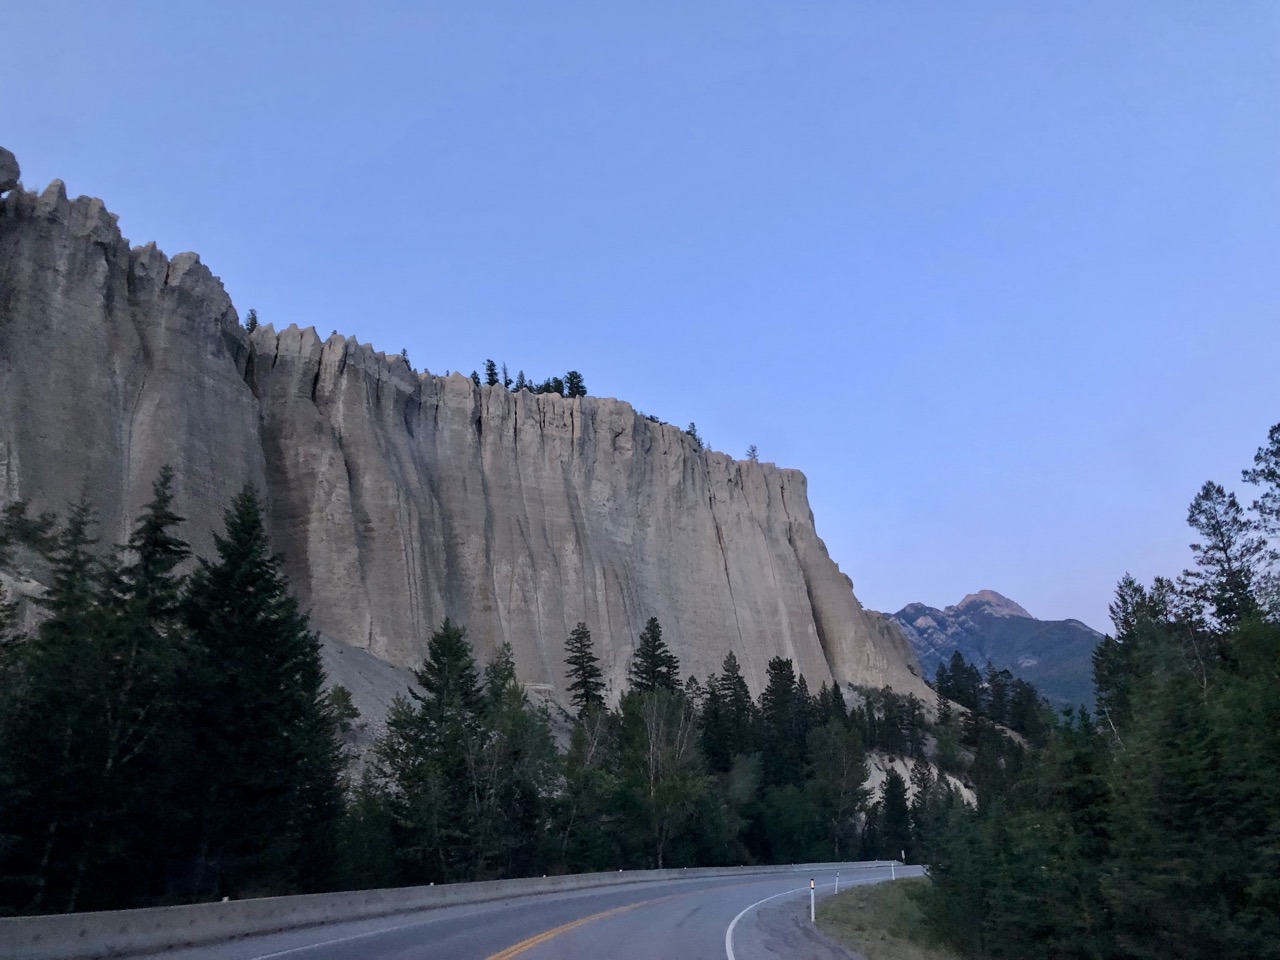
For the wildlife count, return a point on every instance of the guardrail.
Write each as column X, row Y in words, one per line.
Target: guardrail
column 127, row 933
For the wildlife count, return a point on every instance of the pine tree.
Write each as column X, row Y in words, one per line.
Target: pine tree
column 269, row 789
column 753, row 452
column 654, row 666
column 586, row 680
column 490, row 373
column 506, row 378
column 475, row 378
column 691, row 432
column 48, row 771
column 574, row 385
column 781, row 722
column 252, row 323
column 895, row 817
column 1227, row 557
column 742, row 718
column 838, row 773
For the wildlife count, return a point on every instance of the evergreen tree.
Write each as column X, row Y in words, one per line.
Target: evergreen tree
column 654, row 666
column 691, row 432
column 511, row 766
column 1227, row 556
column 252, row 323
column 894, row 828
column 782, row 726
column 490, row 373
column 753, row 452
column 269, row 789
column 89, row 717
column 574, row 385
column 48, row 771
column 521, row 382
column 836, row 786
column 475, row 377
column 588, row 820
column 506, row 378
column 586, row 680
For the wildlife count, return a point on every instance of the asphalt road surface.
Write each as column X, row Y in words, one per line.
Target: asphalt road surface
column 737, row 918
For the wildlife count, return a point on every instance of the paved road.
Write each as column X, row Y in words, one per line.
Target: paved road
column 672, row 920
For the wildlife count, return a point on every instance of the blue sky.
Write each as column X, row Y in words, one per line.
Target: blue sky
column 1000, row 278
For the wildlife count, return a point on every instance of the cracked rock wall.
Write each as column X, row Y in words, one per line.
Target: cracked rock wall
column 400, row 498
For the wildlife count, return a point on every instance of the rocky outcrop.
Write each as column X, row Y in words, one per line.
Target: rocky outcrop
column 399, row 498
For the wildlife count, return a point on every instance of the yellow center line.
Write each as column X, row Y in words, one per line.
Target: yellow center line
column 518, row 948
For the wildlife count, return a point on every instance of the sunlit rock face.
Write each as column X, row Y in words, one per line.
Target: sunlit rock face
column 399, row 498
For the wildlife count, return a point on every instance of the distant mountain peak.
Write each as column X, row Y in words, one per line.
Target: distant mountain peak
column 1055, row 655
column 993, row 603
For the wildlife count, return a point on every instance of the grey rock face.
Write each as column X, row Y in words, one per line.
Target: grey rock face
column 396, row 499
column 9, row 170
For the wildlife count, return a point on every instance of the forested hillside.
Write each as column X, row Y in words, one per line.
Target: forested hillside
column 1151, row 829
column 165, row 737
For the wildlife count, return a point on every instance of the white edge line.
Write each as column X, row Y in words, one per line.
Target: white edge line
column 728, row 933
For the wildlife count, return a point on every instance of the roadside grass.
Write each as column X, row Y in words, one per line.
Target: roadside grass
column 882, row 921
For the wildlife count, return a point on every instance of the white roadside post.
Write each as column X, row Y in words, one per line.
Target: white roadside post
column 811, row 895
column 892, row 871
column 837, row 881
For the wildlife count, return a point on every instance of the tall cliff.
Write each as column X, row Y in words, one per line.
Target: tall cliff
column 399, row 498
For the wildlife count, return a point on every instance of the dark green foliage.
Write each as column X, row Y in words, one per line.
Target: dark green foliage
column 521, row 383
column 588, row 822
column 783, row 726
column 475, row 377
column 662, row 777
column 490, row 373
column 836, row 786
column 730, row 719
column 467, row 769
column 893, row 828
column 753, row 452
column 252, row 323
column 691, row 431
column 654, row 666
column 586, row 680
column 1152, row 831
column 574, row 385
column 18, row 529
column 340, row 708
column 268, row 797
column 506, row 379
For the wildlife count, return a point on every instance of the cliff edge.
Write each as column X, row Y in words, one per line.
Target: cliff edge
column 399, row 498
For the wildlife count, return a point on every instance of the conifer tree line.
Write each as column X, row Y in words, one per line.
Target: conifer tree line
column 1151, row 829
column 165, row 737
column 570, row 385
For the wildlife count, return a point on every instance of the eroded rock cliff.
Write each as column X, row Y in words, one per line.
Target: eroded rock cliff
column 399, row 498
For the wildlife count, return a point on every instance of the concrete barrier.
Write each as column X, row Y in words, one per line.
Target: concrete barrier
column 126, row 933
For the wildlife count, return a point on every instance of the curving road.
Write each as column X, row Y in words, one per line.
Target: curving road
column 738, row 918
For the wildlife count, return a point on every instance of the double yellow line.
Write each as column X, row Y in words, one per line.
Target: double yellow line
column 518, row 948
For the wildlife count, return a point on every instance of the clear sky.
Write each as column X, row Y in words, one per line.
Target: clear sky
column 1003, row 279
